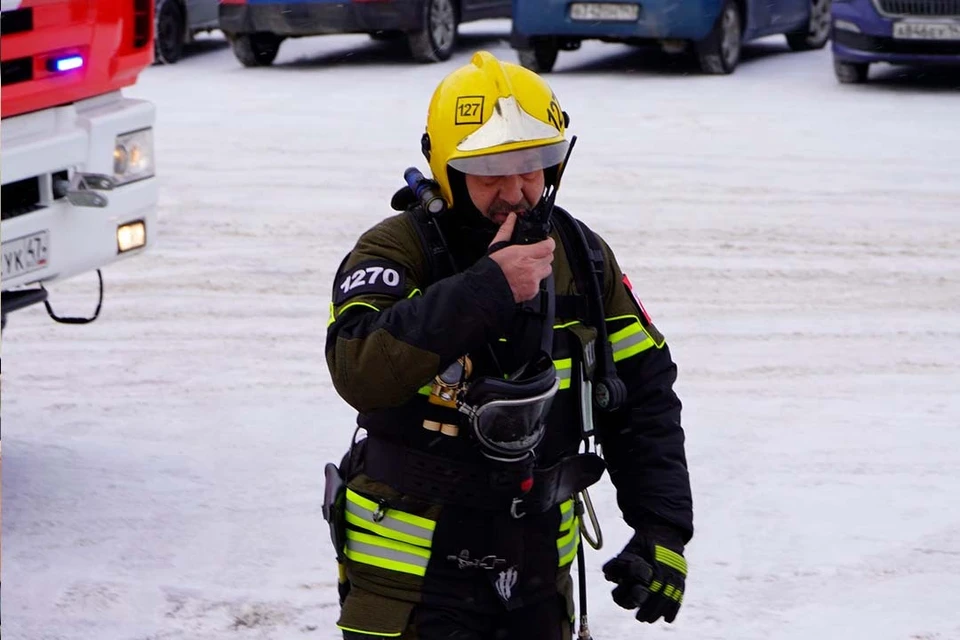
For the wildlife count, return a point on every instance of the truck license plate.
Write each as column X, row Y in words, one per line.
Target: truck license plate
column 604, row 11
column 26, row 254
column 907, row 30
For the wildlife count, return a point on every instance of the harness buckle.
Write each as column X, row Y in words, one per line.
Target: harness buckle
column 514, row 512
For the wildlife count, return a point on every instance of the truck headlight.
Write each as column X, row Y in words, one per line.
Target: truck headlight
column 133, row 156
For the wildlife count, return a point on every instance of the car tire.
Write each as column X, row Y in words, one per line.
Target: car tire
column 817, row 33
column 169, row 29
column 256, row 49
column 719, row 53
column 541, row 56
column 437, row 39
column 851, row 72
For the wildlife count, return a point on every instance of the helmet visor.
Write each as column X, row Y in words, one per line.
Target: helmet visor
column 513, row 427
column 508, row 163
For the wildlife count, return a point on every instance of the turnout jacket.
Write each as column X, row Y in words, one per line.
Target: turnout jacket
column 391, row 331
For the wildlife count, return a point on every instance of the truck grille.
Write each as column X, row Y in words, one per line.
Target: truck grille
column 26, row 196
column 20, row 197
column 920, row 8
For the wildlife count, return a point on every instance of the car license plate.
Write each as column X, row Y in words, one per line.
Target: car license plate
column 910, row 30
column 604, row 11
column 26, row 254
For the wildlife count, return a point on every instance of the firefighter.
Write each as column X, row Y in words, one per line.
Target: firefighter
column 479, row 367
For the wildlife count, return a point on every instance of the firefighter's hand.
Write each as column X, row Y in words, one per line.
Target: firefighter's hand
column 524, row 265
column 650, row 574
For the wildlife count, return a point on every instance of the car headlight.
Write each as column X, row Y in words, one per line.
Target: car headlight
column 133, row 156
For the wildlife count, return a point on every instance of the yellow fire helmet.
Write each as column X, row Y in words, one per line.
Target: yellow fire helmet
column 493, row 118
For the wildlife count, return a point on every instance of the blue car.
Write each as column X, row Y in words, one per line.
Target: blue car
column 714, row 30
column 907, row 32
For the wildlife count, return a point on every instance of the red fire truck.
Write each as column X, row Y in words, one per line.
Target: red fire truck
column 76, row 155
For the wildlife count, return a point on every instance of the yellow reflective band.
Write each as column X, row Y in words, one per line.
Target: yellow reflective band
column 383, row 563
column 566, row 515
column 655, row 586
column 415, row 292
column 567, row 545
column 630, row 341
column 625, row 333
column 332, row 317
column 370, row 633
column 408, row 518
column 638, row 321
column 564, row 369
column 387, row 531
column 565, row 325
column 385, row 543
column 633, row 350
column 670, row 558
column 356, row 304
column 425, row 389
column 387, row 554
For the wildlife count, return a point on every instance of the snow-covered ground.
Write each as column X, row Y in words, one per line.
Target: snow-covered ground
column 796, row 240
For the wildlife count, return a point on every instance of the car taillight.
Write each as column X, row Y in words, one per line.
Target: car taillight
column 142, row 23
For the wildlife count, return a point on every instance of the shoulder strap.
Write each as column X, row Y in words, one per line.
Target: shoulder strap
column 434, row 250
column 584, row 248
column 594, row 251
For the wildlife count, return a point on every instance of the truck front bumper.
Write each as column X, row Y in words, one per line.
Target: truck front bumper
column 51, row 238
column 862, row 34
column 321, row 18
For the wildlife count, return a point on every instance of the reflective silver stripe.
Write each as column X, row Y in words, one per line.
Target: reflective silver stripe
column 567, row 546
column 566, row 516
column 564, row 370
column 386, row 553
column 631, row 344
column 629, row 341
column 408, row 532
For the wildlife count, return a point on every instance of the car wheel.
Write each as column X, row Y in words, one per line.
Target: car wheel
column 851, row 72
column 541, row 57
column 438, row 37
column 719, row 52
column 169, row 32
column 818, row 29
column 256, row 49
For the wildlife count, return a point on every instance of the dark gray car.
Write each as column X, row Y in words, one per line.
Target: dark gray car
column 429, row 26
column 177, row 22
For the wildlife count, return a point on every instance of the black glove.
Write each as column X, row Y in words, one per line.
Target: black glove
column 650, row 574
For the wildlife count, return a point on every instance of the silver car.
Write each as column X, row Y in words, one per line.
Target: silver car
column 176, row 22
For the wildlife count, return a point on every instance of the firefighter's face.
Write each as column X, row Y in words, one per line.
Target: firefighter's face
column 497, row 196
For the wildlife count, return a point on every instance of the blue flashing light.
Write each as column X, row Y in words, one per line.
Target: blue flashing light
column 68, row 64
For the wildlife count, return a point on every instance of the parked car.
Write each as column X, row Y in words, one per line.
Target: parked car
column 257, row 28
column 176, row 22
column 905, row 32
column 712, row 29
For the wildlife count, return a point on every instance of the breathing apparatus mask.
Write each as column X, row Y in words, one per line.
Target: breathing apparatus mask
column 508, row 415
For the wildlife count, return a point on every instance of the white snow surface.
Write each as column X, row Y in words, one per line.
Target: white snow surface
column 797, row 241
